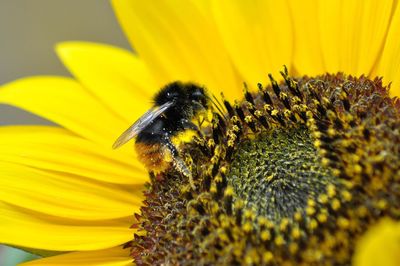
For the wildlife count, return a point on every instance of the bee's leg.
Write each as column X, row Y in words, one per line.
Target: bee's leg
column 189, row 125
column 201, row 121
column 179, row 164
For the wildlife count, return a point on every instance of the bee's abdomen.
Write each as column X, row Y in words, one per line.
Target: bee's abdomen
column 154, row 156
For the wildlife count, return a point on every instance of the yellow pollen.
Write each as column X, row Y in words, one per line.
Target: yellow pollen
column 310, row 210
column 267, row 107
column 287, row 113
column 322, row 217
column 239, row 204
column 382, row 204
column 265, row 235
column 322, row 152
column 223, row 169
column 252, row 258
column 247, row 227
column 258, row 113
column 248, row 119
column 311, row 202
column 234, row 119
column 349, row 117
column 185, row 189
column 269, row 178
column 313, row 224
column 343, row 222
column 346, row 195
column 298, row 216
column 331, row 132
column 223, row 236
column 325, row 162
column 293, row 248
column 284, row 224
column 279, row 241
column 267, row 256
column 323, row 198
column 357, row 169
column 335, row 204
column 336, row 172
column 362, row 211
column 331, row 190
column 331, row 115
column 218, row 179
column 248, row 214
column 262, row 221
column 229, row 191
column 296, row 233
column 213, row 188
column 283, row 95
column 210, row 143
column 224, row 221
column 317, row 143
column 270, row 224
column 235, row 128
column 355, row 158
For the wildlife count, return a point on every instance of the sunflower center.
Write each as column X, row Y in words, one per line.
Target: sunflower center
column 277, row 173
column 293, row 175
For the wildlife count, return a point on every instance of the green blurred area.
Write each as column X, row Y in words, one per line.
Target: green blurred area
column 12, row 256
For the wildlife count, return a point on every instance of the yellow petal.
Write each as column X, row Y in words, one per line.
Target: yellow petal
column 379, row 246
column 258, row 36
column 307, row 54
column 116, row 256
column 117, row 77
column 177, row 42
column 65, row 102
column 353, row 33
column 24, row 228
column 389, row 66
column 64, row 195
column 55, row 149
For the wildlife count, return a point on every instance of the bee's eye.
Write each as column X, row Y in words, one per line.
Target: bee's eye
column 197, row 96
column 172, row 96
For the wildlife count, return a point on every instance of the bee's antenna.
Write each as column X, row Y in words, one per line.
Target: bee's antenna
column 218, row 102
column 218, row 105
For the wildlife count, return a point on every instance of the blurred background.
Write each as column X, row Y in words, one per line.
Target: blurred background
column 28, row 32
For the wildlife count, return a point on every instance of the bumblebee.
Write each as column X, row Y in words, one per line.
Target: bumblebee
column 175, row 107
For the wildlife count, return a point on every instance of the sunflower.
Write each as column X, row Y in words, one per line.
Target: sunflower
column 302, row 171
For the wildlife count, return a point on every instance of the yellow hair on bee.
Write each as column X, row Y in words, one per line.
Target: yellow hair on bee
column 183, row 137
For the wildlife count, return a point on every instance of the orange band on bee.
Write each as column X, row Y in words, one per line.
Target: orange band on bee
column 153, row 156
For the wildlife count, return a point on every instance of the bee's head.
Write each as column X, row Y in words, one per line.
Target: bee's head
column 173, row 92
column 184, row 95
column 197, row 96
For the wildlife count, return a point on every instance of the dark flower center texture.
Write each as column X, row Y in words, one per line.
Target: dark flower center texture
column 293, row 175
column 277, row 173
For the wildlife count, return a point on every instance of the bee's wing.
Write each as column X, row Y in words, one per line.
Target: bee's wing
column 140, row 124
